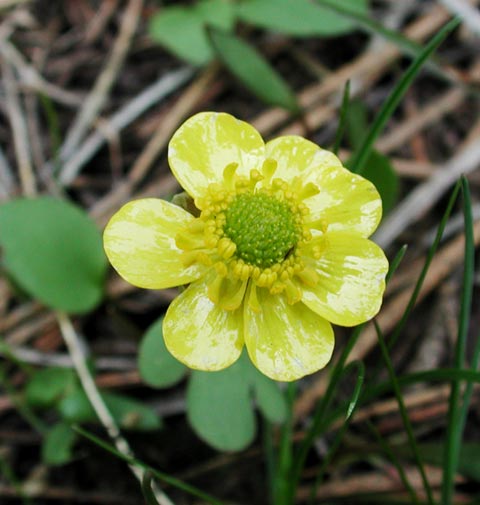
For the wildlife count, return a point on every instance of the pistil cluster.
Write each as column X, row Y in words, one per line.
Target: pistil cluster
column 249, row 229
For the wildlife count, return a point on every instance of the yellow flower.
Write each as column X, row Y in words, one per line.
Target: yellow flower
column 278, row 251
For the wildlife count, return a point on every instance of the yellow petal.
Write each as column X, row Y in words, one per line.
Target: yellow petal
column 286, row 342
column 140, row 243
column 200, row 334
column 351, row 282
column 206, row 143
column 345, row 201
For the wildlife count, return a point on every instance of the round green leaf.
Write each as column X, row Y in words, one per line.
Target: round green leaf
column 128, row 413
column 270, row 399
column 58, row 444
column 53, row 250
column 47, row 386
column 157, row 366
column 219, row 408
column 181, row 29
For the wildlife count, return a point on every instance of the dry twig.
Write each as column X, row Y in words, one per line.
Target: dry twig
column 99, row 93
column 75, row 350
column 19, row 129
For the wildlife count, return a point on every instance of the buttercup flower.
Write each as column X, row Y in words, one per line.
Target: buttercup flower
column 277, row 251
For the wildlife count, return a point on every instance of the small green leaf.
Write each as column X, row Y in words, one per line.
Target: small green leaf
column 301, row 18
column 156, row 365
column 219, row 408
column 128, row 413
column 47, row 386
column 54, row 251
column 220, row 404
column 252, row 70
column 58, row 444
column 182, row 29
column 270, row 399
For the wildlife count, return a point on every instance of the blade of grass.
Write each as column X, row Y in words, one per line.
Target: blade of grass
column 404, row 414
column 431, row 253
column 397, row 94
column 394, row 460
column 342, row 123
column 147, row 482
column 394, row 264
column 457, row 413
column 322, row 408
column 421, row 278
column 172, row 481
column 340, row 434
column 369, row 25
column 270, row 462
column 436, row 375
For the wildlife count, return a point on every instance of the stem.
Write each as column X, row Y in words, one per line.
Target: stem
column 75, row 350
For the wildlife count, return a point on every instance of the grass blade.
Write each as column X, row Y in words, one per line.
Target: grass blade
column 339, row 436
column 431, row 253
column 342, row 123
column 172, row 481
column 147, row 490
column 457, row 413
column 394, row 460
column 404, row 414
column 397, row 94
column 284, row 490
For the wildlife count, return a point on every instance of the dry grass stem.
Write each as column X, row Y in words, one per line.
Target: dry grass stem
column 366, row 64
column 7, row 180
column 99, row 93
column 179, row 111
column 32, row 79
column 165, row 85
column 424, row 196
column 16, row 117
column 466, row 11
column 375, row 482
column 75, row 351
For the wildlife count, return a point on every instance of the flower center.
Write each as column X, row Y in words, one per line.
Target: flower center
column 252, row 235
column 263, row 228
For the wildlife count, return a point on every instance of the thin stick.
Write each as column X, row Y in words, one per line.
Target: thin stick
column 98, row 95
column 367, row 64
column 7, row 181
column 182, row 107
column 126, row 115
column 469, row 13
column 20, row 135
column 75, row 350
column 30, row 77
column 427, row 194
